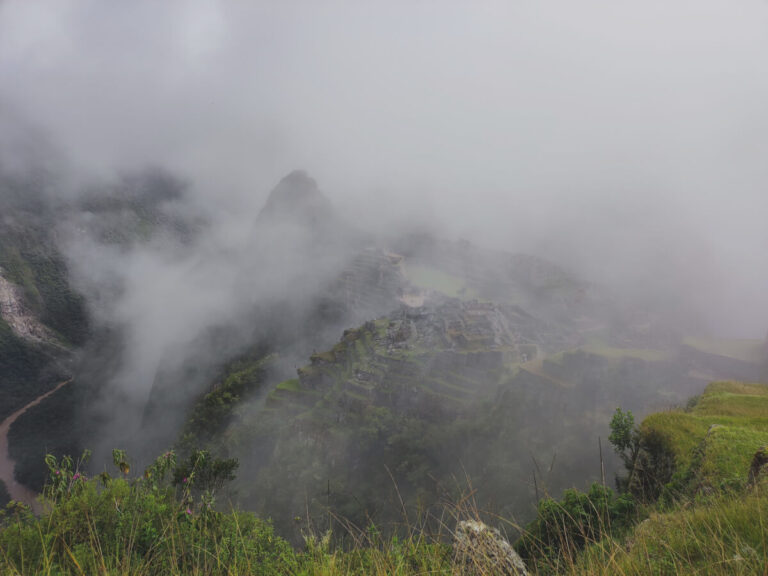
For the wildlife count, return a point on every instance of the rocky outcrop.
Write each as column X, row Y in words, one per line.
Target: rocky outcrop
column 16, row 315
column 483, row 550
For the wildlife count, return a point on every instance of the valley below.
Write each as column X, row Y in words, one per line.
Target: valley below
column 352, row 380
column 16, row 490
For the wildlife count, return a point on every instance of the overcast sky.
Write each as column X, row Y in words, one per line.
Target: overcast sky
column 627, row 139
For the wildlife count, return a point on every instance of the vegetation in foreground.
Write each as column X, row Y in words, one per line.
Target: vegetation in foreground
column 710, row 516
column 165, row 522
column 702, row 500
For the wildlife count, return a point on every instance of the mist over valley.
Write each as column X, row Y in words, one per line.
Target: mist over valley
column 380, row 261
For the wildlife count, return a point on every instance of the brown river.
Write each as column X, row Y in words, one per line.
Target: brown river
column 16, row 490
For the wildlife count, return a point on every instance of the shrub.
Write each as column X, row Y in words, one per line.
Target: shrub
column 646, row 455
column 563, row 527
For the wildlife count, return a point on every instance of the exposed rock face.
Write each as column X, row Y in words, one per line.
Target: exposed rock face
column 485, row 551
column 15, row 314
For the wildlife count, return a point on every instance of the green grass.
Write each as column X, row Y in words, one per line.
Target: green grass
column 729, row 423
column 646, row 354
column 749, row 401
column 292, row 385
column 717, row 524
column 612, row 353
column 434, row 279
column 729, row 451
column 747, row 350
column 683, row 432
column 726, row 536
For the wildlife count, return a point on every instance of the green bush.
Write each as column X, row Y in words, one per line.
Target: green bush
column 647, row 457
column 562, row 528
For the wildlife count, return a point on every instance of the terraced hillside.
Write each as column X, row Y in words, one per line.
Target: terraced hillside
column 413, row 404
column 386, row 396
column 450, row 352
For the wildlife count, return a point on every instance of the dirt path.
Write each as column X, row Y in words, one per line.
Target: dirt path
column 16, row 490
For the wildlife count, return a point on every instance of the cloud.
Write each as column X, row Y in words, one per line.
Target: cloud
column 624, row 139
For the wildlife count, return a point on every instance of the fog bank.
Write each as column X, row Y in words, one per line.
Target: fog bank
column 624, row 140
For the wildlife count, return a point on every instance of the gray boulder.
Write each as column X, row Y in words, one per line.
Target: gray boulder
column 483, row 550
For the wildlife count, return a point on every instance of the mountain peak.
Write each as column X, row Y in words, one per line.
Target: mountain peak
column 298, row 196
column 299, row 178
